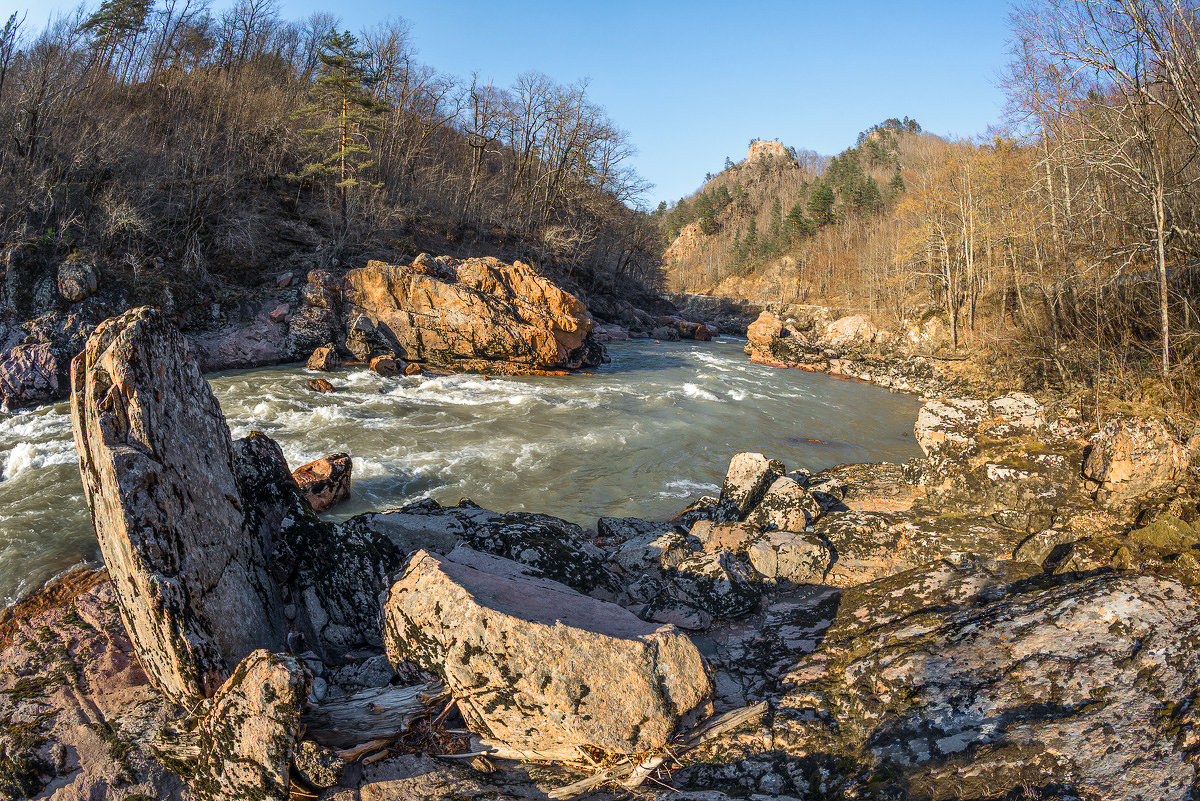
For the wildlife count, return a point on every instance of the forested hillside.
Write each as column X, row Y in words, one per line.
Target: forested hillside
column 1063, row 243
column 185, row 147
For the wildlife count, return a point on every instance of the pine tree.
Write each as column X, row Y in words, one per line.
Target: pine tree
column 343, row 108
column 820, row 204
column 896, row 185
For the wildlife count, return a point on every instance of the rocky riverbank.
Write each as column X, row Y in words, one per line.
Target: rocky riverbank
column 1012, row 615
column 467, row 315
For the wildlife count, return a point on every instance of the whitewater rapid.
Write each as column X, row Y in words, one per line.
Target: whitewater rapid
column 639, row 437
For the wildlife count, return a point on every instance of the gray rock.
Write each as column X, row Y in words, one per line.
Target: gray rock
column 536, row 665
column 317, row 766
column 77, row 280
column 788, row 506
column 791, row 556
column 749, row 477
column 1037, row 548
column 156, row 460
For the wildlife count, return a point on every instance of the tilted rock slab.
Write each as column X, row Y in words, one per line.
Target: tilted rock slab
column 537, row 666
column 749, row 477
column 477, row 314
column 156, row 460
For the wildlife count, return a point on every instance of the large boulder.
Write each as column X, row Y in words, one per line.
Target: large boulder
column 480, row 314
column 247, row 737
column 1130, row 458
column 156, row 460
column 846, row 332
column 77, row 280
column 540, row 667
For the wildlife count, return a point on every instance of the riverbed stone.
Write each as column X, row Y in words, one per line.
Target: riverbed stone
column 156, row 460
column 749, row 477
column 325, row 482
column 536, row 665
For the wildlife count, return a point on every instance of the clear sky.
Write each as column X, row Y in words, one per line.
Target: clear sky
column 694, row 81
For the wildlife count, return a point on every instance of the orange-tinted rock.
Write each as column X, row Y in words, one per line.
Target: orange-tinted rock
column 280, row 313
column 320, row 385
column 387, row 366
column 703, row 333
column 412, row 369
column 324, row 358
column 326, row 481
column 479, row 314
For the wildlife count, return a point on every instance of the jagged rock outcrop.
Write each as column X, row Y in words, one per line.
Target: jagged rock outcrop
column 156, row 460
column 325, row 482
column 749, row 477
column 538, row 666
column 479, row 314
column 968, row 680
column 1130, row 458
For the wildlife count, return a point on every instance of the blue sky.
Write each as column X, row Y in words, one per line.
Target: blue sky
column 693, row 82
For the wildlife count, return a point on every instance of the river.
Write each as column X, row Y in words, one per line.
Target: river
column 639, row 437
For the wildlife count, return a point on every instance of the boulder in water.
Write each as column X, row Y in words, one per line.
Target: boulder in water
column 481, row 314
column 325, row 482
column 324, row 358
column 320, row 385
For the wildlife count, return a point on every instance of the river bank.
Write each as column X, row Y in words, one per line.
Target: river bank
column 1013, row 609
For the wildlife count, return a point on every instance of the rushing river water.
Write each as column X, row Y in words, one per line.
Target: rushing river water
column 638, row 438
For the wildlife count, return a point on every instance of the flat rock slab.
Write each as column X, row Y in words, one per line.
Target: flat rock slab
column 538, row 666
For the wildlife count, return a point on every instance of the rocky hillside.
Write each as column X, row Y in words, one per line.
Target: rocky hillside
column 751, row 228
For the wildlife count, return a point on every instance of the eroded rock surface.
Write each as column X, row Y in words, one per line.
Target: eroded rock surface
column 1130, row 458
column 479, row 314
column 535, row 664
column 156, row 460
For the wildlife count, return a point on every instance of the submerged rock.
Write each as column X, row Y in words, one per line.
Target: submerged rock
column 156, row 460
column 538, row 666
column 325, row 482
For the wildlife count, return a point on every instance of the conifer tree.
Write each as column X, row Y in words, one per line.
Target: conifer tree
column 343, row 108
column 820, row 204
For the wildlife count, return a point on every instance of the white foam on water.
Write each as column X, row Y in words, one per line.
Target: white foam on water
column 693, row 391
column 737, row 394
column 26, row 456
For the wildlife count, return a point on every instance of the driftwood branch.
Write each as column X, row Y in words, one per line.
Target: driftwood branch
column 371, row 714
column 630, row 775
